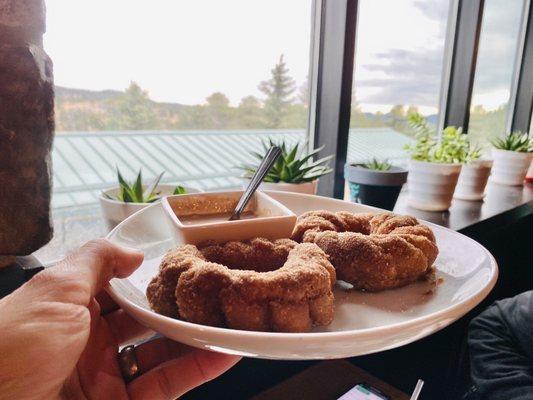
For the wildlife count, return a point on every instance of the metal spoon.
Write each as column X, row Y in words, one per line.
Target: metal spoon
column 261, row 171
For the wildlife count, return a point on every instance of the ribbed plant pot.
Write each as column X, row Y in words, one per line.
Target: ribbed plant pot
column 305, row 188
column 114, row 211
column 473, row 180
column 510, row 167
column 375, row 188
column 431, row 185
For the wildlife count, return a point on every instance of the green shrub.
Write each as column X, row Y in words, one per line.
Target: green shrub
column 453, row 146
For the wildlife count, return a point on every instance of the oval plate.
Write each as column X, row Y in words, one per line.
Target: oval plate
column 364, row 322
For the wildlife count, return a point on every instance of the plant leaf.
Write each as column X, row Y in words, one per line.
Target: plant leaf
column 179, row 190
column 152, row 188
column 137, row 188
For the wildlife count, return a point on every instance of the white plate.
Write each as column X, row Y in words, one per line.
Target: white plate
column 364, row 322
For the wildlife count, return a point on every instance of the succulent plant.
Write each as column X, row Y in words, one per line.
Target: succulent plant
column 134, row 192
column 294, row 165
column 516, row 141
column 453, row 146
column 378, row 165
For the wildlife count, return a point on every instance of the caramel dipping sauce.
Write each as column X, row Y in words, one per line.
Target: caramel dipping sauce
column 199, row 210
column 196, row 219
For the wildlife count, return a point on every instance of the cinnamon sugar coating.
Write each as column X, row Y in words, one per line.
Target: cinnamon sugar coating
column 371, row 251
column 255, row 285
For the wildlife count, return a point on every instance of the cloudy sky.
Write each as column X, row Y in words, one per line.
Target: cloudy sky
column 182, row 51
column 497, row 51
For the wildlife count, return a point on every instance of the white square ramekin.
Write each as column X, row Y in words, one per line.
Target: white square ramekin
column 275, row 221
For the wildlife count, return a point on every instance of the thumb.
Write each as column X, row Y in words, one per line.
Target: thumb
column 80, row 276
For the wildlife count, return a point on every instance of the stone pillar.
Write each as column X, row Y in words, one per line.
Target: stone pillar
column 26, row 128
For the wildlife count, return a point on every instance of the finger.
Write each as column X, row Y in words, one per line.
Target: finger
column 97, row 369
column 158, row 351
column 107, row 304
column 176, row 377
column 84, row 273
column 125, row 329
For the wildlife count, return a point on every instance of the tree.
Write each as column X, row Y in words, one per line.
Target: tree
column 397, row 111
column 133, row 109
column 303, row 92
column 397, row 118
column 250, row 113
column 279, row 90
column 218, row 111
column 218, row 101
column 412, row 110
column 479, row 110
column 486, row 125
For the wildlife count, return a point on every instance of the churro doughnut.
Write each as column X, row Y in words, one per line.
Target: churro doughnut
column 371, row 251
column 254, row 285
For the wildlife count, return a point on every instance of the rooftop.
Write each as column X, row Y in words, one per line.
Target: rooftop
column 84, row 162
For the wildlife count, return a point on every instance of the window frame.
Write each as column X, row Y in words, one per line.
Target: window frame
column 521, row 97
column 333, row 61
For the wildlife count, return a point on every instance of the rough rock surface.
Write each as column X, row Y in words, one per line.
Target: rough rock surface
column 26, row 128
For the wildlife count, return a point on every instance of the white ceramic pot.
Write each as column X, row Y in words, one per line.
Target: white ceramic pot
column 431, row 185
column 472, row 180
column 305, row 188
column 114, row 211
column 510, row 167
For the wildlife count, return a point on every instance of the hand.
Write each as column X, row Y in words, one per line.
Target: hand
column 59, row 337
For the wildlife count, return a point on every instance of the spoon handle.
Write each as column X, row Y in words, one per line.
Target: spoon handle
column 269, row 160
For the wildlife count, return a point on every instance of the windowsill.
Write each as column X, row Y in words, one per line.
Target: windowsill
column 507, row 202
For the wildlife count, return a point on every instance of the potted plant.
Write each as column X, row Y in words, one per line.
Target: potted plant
column 293, row 171
column 435, row 165
column 473, row 179
column 120, row 202
column 375, row 183
column 512, row 156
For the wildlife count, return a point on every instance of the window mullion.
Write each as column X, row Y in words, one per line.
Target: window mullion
column 333, row 74
column 462, row 67
column 521, row 98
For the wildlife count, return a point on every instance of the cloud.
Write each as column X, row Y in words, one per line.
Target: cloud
column 498, row 45
column 433, row 9
column 413, row 76
column 437, row 11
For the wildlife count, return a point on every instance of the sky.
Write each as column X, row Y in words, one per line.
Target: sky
column 184, row 50
column 497, row 51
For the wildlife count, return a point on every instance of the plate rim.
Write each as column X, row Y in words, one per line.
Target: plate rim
column 455, row 309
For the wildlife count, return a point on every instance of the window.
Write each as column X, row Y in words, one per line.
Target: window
column 494, row 70
column 398, row 67
column 187, row 87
